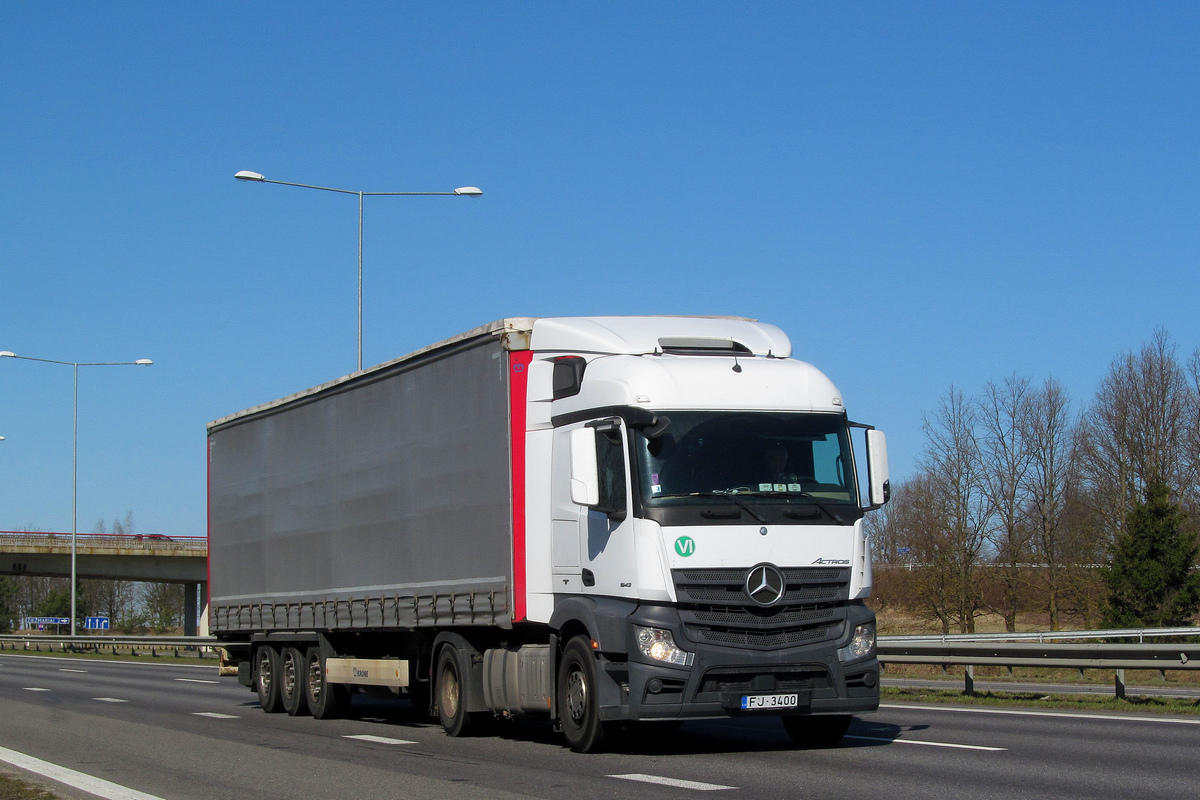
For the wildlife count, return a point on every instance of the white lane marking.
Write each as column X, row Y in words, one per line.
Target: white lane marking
column 1064, row 714
column 35, row 689
column 366, row 737
column 76, row 780
column 73, row 670
column 110, row 700
column 214, row 715
column 927, row 744
column 676, row 782
column 194, row 680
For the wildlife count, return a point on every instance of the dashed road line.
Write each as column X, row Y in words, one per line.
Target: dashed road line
column 676, row 782
column 214, row 715
column 110, row 700
column 35, row 689
column 73, row 670
column 77, row 780
column 927, row 744
column 366, row 737
column 194, row 680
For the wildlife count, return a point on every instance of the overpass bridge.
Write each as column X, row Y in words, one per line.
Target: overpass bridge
column 143, row 557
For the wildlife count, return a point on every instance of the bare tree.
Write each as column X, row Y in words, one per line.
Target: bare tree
column 1049, row 436
column 1135, row 430
column 1004, row 464
column 952, row 459
column 163, row 604
column 916, row 521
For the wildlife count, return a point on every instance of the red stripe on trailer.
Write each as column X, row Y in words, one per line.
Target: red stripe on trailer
column 518, row 381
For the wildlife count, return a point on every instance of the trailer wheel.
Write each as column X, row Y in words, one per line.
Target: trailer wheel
column 453, row 696
column 266, row 679
column 325, row 700
column 578, row 699
column 292, row 679
column 818, row 731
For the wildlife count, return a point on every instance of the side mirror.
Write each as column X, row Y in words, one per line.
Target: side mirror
column 585, row 479
column 877, row 468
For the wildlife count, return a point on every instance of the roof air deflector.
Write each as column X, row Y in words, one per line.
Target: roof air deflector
column 702, row 346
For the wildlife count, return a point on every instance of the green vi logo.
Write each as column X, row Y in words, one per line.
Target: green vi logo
column 685, row 546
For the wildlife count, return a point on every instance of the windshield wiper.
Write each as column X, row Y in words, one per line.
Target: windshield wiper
column 812, row 499
column 737, row 502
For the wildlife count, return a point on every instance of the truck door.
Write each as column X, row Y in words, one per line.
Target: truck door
column 593, row 545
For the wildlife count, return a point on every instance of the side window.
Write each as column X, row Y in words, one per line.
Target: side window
column 610, row 464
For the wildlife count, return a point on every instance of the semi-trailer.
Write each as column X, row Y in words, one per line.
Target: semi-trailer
column 603, row 521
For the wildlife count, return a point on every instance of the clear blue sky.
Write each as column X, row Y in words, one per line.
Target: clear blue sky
column 920, row 194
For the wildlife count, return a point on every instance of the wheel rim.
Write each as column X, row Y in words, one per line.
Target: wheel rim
column 448, row 693
column 315, row 679
column 289, row 675
column 577, row 695
column 264, row 671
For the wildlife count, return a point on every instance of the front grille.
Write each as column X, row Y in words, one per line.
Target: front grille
column 714, row 608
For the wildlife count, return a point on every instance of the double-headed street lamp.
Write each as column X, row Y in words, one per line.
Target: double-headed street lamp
column 462, row 191
column 141, row 362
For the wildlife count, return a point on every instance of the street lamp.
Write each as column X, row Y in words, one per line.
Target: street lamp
column 462, row 191
column 141, row 362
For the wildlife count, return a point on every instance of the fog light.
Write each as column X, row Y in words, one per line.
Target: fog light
column 862, row 644
column 658, row 644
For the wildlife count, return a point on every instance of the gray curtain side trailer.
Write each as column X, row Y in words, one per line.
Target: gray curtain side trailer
column 362, row 515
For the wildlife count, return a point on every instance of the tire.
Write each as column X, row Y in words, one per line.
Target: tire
column 453, row 696
column 578, row 698
column 266, row 679
column 324, row 700
column 818, row 731
column 292, row 681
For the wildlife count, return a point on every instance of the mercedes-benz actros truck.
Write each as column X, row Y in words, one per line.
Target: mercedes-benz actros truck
column 603, row 521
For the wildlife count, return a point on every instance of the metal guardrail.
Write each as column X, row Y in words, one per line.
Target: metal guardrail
column 1115, row 656
column 967, row 650
column 151, row 644
column 193, row 545
column 1046, row 636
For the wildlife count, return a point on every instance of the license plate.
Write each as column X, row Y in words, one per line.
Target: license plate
column 753, row 702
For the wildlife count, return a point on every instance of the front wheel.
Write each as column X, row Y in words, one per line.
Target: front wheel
column 818, row 731
column 578, row 698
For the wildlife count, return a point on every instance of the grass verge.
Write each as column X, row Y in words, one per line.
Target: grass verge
column 13, row 788
column 1040, row 700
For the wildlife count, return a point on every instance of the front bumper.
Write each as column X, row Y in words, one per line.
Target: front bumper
column 638, row 688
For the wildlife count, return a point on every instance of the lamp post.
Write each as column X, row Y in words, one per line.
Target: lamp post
column 141, row 362
column 462, row 191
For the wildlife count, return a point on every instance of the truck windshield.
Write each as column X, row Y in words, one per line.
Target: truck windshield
column 763, row 457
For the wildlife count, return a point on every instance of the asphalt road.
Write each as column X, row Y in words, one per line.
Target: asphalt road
column 180, row 733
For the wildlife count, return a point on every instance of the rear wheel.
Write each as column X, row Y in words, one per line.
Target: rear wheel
column 292, row 679
column 324, row 700
column 818, row 731
column 453, row 696
column 578, row 699
column 266, row 679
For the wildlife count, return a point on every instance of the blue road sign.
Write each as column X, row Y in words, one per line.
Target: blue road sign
column 31, row 621
column 95, row 623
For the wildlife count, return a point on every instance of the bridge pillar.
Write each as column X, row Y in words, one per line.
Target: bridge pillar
column 190, row 597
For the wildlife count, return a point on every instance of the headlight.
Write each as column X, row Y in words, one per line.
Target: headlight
column 861, row 646
column 658, row 644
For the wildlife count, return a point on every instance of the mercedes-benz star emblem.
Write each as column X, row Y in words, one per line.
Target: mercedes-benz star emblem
column 765, row 584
